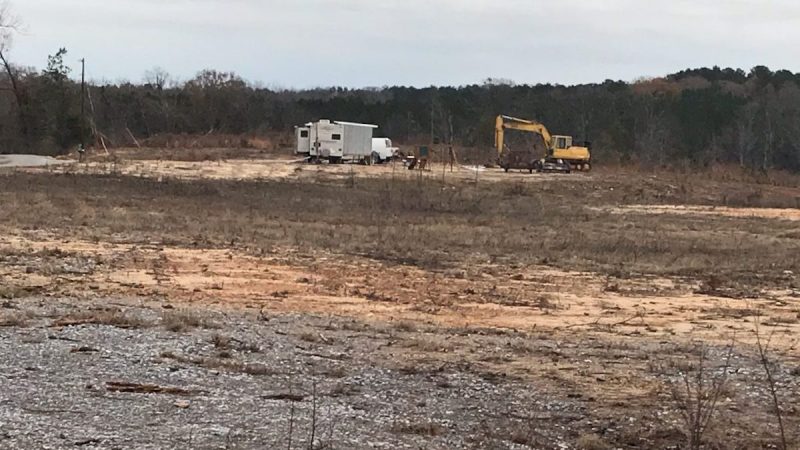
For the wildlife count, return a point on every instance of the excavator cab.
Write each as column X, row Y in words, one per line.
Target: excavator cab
column 561, row 142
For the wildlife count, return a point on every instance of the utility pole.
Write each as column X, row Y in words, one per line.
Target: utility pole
column 82, row 150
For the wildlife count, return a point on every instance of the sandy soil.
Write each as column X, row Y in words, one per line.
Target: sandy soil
column 32, row 161
column 292, row 168
column 402, row 357
column 531, row 298
column 760, row 213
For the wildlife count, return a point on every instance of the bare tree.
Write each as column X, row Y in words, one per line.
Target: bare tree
column 766, row 364
column 746, row 138
column 9, row 25
column 157, row 77
column 653, row 134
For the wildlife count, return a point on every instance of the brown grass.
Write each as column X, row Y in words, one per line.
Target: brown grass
column 185, row 320
column 784, row 319
column 429, row 429
column 592, row 442
column 11, row 292
column 110, row 317
column 223, row 342
column 223, row 363
column 13, row 319
column 429, row 344
column 405, row 326
column 421, row 223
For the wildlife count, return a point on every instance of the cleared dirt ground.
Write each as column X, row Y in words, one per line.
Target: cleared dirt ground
column 265, row 303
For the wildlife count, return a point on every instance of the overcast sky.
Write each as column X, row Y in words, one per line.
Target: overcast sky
column 308, row 43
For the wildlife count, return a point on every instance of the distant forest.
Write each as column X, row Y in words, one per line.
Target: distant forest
column 694, row 117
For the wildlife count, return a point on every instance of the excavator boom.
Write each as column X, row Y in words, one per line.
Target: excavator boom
column 558, row 147
column 512, row 123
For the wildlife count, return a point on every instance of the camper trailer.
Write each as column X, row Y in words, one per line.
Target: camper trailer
column 336, row 142
column 303, row 138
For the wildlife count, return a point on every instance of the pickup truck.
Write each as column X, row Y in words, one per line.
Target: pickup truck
column 382, row 150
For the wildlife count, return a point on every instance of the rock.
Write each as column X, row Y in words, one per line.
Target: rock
column 219, row 431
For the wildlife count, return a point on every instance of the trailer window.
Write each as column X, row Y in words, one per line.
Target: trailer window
column 304, row 134
column 336, row 137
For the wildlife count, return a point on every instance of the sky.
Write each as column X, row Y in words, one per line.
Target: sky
column 372, row 43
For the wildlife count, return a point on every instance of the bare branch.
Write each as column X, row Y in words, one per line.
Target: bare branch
column 763, row 353
column 698, row 397
column 10, row 25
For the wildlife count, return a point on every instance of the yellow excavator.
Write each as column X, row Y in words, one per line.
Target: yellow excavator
column 561, row 156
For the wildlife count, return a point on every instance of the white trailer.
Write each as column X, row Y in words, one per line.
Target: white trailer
column 340, row 141
column 303, row 138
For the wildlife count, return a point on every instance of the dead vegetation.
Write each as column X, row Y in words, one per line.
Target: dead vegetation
column 448, row 252
column 423, row 223
column 109, row 317
column 14, row 319
column 697, row 393
column 137, row 388
column 592, row 442
column 183, row 320
column 429, row 429
column 222, row 363
column 223, row 342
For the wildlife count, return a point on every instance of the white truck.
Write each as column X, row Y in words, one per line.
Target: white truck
column 335, row 142
column 382, row 150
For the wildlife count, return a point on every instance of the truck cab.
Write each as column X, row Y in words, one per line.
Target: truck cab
column 382, row 150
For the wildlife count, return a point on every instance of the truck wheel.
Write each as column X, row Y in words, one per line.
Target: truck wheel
column 376, row 158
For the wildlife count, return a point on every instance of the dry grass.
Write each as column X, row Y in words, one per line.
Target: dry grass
column 11, row 292
column 223, row 363
column 14, row 319
column 223, row 343
column 592, row 442
column 406, row 326
column 424, row 224
column 429, row 343
column 185, row 320
column 784, row 319
column 313, row 337
column 546, row 303
column 429, row 429
column 109, row 317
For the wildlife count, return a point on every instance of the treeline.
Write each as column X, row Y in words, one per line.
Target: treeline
column 695, row 117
